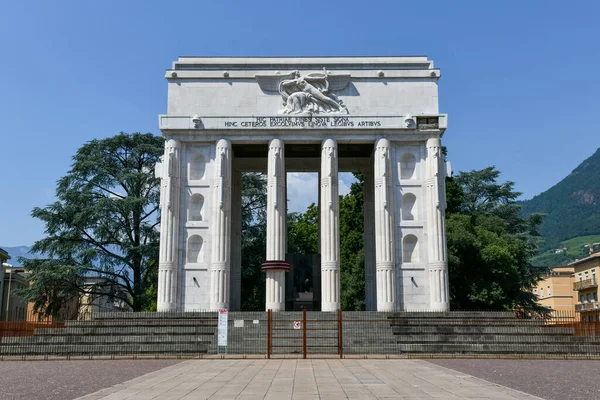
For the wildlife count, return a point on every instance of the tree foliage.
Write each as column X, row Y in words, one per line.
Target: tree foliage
column 103, row 225
column 254, row 240
column 352, row 255
column 490, row 245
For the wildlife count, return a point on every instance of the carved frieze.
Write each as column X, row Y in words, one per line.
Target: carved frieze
column 307, row 94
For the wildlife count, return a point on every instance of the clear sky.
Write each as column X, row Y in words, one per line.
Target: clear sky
column 519, row 78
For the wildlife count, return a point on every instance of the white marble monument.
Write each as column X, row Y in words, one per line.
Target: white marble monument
column 375, row 115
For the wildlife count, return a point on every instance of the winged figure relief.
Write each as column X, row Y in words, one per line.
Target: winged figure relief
column 308, row 94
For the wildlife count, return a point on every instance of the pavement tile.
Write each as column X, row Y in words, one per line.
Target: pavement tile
column 306, row 379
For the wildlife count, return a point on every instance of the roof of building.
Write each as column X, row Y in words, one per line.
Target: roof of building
column 583, row 260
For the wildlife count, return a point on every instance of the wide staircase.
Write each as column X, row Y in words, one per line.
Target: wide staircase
column 121, row 334
column 494, row 333
column 194, row 334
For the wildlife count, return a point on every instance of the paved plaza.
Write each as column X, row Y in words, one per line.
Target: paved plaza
column 307, row 379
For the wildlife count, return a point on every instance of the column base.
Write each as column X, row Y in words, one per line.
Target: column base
column 275, row 295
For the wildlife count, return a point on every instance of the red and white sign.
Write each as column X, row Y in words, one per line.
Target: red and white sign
column 222, row 327
column 297, row 325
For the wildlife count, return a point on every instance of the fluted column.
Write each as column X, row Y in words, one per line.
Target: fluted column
column 385, row 264
column 169, row 227
column 369, row 240
column 436, row 231
column 221, row 227
column 330, row 230
column 276, row 266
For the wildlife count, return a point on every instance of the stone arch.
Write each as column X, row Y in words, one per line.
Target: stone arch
column 410, row 249
column 408, row 165
column 194, row 249
column 196, row 206
column 409, row 207
column 197, row 167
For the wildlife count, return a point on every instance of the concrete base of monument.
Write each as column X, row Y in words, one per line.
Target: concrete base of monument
column 348, row 334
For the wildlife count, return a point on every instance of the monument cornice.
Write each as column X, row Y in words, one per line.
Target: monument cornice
column 356, row 75
column 301, row 123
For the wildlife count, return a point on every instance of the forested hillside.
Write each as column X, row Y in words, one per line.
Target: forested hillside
column 572, row 206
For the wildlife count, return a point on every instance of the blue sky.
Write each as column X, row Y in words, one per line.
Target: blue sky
column 519, row 78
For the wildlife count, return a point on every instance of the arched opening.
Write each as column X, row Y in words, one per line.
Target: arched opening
column 194, row 249
column 409, row 209
column 197, row 167
column 196, row 205
column 408, row 164
column 410, row 249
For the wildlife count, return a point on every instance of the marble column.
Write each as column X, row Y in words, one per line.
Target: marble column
column 275, row 265
column 221, row 227
column 435, row 203
column 170, row 192
column 330, row 230
column 385, row 264
column 369, row 240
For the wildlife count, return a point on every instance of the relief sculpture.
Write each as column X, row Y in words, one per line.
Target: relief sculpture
column 309, row 94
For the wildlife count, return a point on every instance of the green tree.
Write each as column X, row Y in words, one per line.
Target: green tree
column 303, row 231
column 352, row 256
column 254, row 240
column 102, row 226
column 490, row 245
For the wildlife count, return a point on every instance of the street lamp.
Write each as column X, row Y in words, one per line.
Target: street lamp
column 9, row 266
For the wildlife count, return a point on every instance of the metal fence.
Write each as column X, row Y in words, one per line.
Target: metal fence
column 304, row 334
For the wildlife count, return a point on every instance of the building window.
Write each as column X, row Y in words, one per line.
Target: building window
column 410, row 249
column 580, row 278
column 587, row 275
column 595, row 296
column 581, row 299
column 541, row 292
column 588, row 297
column 548, row 290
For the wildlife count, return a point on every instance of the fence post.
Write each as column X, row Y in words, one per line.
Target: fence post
column 340, row 342
column 304, row 333
column 269, row 332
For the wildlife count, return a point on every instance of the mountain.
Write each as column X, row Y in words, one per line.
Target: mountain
column 16, row 252
column 572, row 206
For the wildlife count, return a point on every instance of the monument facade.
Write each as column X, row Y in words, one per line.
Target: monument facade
column 375, row 115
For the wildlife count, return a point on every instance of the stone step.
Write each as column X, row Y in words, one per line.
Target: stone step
column 465, row 322
column 115, row 349
column 456, row 329
column 454, row 314
column 536, row 339
column 199, row 315
column 499, row 348
column 127, row 330
column 106, row 339
column 144, row 322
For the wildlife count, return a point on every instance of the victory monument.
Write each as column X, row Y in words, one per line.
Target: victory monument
column 375, row 115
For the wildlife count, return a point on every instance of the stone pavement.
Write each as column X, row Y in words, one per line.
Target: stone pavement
column 307, row 379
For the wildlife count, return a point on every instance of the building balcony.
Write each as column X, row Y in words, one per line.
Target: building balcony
column 585, row 284
column 591, row 306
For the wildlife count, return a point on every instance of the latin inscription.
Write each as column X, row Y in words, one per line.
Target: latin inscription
column 302, row 122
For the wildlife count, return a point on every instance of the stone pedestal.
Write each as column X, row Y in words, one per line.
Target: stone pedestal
column 330, row 230
column 276, row 266
column 436, row 231
column 169, row 228
column 385, row 263
column 221, row 222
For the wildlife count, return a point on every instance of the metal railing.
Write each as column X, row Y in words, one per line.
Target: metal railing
column 306, row 334
column 585, row 284
column 589, row 306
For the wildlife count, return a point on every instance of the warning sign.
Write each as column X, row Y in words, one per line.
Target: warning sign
column 297, row 325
